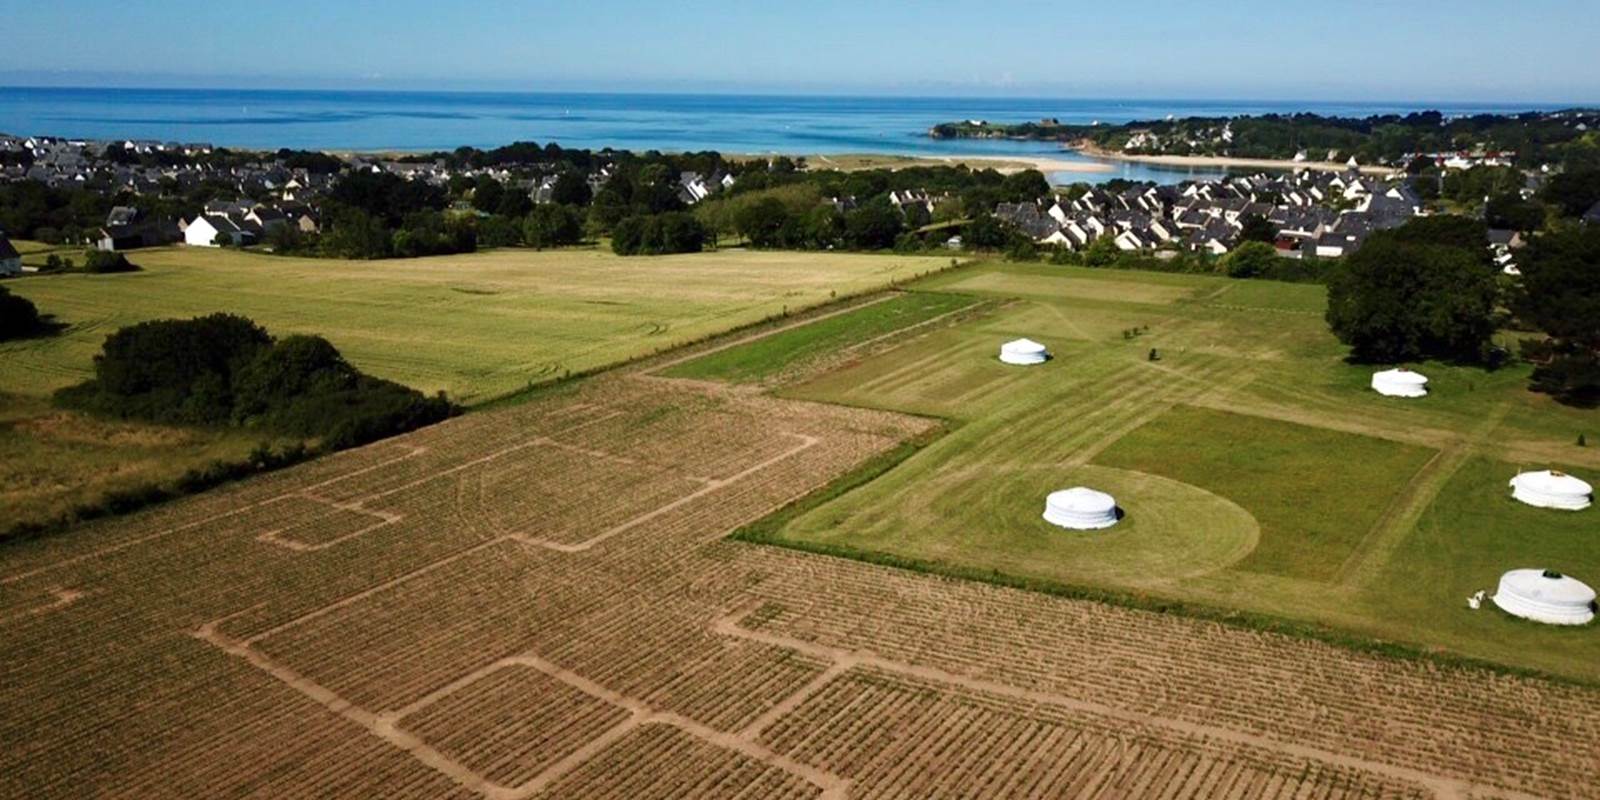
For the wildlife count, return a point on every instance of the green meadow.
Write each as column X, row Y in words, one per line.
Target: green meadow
column 1256, row 469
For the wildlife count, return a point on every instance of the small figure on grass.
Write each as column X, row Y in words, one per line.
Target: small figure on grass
column 1155, row 355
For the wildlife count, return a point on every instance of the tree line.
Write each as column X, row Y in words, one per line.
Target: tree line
column 1429, row 290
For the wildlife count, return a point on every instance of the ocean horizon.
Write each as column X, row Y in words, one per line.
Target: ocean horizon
column 420, row 121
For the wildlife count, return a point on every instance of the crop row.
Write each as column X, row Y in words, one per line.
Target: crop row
column 1497, row 729
column 513, row 723
column 660, row 761
column 899, row 737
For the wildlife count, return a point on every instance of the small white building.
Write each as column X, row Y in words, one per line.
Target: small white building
column 205, row 229
column 1024, row 353
column 1546, row 596
column 1400, row 382
column 1081, row 509
column 1552, row 489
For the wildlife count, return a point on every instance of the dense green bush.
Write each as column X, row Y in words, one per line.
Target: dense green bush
column 1251, row 259
column 103, row 262
column 225, row 370
column 18, row 316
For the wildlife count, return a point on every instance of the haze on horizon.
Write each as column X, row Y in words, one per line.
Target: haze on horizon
column 1465, row 51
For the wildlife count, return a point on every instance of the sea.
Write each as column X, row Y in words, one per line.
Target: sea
column 420, row 121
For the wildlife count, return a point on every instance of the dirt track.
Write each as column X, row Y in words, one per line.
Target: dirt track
column 538, row 602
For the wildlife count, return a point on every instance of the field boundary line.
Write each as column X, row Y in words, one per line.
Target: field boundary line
column 108, row 550
column 654, row 370
column 1407, row 508
column 384, row 518
column 1442, row 787
column 387, row 725
column 63, row 598
column 711, row 485
column 795, row 699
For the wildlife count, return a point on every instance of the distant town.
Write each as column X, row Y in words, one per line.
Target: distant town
column 125, row 195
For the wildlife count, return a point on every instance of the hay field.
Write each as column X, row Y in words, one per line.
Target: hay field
column 475, row 326
column 539, row 601
column 1258, row 471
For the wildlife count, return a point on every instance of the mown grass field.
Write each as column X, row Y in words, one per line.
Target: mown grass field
column 477, row 327
column 1258, row 471
column 772, row 355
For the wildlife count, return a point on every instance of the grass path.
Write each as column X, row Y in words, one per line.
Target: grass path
column 1400, row 518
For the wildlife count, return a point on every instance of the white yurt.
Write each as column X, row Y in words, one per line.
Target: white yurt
column 1023, row 352
column 1552, row 489
column 1400, row 383
column 1081, row 509
column 1545, row 596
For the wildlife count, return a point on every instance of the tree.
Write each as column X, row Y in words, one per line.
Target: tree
column 387, row 196
column 873, row 226
column 18, row 316
column 571, row 189
column 762, row 222
column 499, row 231
column 286, row 239
column 1573, row 192
column 171, row 370
column 226, row 370
column 659, row 234
column 1509, row 210
column 1448, row 230
column 1102, row 252
column 677, row 232
column 552, row 225
column 986, row 232
column 1250, row 260
column 821, row 228
column 1396, row 300
column 102, row 262
column 357, row 234
column 1024, row 186
column 487, row 194
column 1560, row 297
column 1256, row 228
column 608, row 208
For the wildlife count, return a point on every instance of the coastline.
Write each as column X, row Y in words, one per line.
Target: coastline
column 1005, row 164
column 1228, row 161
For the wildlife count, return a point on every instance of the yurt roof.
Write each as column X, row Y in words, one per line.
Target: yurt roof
column 1401, row 375
column 1081, row 499
column 1023, row 346
column 1554, row 482
column 1546, row 586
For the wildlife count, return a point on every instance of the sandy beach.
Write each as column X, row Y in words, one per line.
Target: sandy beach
column 1224, row 162
column 1005, row 164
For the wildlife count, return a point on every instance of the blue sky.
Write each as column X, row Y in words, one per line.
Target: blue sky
column 1485, row 50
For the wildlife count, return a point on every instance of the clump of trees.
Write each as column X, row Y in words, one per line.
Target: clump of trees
column 1559, row 296
column 1424, row 290
column 100, row 262
column 18, row 316
column 658, row 234
column 552, row 225
column 1253, row 259
column 225, row 370
column 1573, row 193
